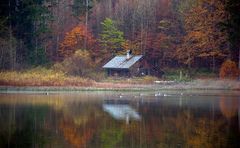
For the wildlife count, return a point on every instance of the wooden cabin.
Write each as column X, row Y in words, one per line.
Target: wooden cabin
column 126, row 66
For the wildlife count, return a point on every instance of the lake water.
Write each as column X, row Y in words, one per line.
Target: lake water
column 120, row 120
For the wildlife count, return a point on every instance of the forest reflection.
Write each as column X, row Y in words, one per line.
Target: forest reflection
column 80, row 120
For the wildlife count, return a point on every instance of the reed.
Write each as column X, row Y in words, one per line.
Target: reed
column 41, row 77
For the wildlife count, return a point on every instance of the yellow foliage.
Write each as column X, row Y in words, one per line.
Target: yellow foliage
column 129, row 45
column 80, row 63
column 229, row 70
column 41, row 77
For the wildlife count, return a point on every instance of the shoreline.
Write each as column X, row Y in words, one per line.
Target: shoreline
column 180, row 86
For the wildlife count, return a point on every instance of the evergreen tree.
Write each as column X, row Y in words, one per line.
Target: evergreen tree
column 111, row 39
column 26, row 22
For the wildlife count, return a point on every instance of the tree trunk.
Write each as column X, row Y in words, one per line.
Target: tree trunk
column 11, row 49
column 239, row 62
column 58, row 35
column 86, row 24
column 35, row 44
column 214, row 64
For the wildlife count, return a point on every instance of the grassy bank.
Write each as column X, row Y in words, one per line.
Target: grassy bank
column 41, row 77
column 49, row 77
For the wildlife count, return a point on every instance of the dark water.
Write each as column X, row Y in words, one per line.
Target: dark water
column 120, row 120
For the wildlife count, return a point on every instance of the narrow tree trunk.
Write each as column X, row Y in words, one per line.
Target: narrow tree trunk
column 110, row 8
column 239, row 62
column 214, row 64
column 141, row 44
column 10, row 36
column 239, row 58
column 189, row 61
column 58, row 24
column 133, row 26
column 1, row 57
column 86, row 24
column 36, row 50
column 11, row 49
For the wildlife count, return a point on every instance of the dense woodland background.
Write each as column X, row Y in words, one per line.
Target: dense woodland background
column 79, row 36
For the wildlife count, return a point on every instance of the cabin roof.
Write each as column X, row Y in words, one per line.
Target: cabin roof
column 121, row 62
column 121, row 111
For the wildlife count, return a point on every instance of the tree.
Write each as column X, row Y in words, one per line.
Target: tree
column 233, row 29
column 132, row 45
column 75, row 39
column 111, row 39
column 27, row 24
column 7, row 52
column 204, row 37
column 79, row 63
column 7, row 46
column 229, row 70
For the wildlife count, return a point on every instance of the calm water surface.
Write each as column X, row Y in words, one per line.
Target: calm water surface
column 120, row 120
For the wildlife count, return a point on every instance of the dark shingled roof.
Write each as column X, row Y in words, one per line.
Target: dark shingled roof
column 121, row 62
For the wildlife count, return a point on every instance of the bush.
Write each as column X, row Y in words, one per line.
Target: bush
column 79, row 64
column 229, row 70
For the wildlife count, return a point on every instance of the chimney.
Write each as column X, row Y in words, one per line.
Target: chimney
column 129, row 52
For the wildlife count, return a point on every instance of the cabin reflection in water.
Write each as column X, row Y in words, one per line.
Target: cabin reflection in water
column 121, row 111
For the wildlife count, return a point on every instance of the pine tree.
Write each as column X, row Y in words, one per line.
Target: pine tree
column 111, row 39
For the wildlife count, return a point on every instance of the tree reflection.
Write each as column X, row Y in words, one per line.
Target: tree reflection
column 185, row 128
column 20, row 127
column 229, row 107
column 76, row 123
column 77, row 136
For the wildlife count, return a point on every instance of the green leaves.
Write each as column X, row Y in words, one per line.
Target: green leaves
column 111, row 39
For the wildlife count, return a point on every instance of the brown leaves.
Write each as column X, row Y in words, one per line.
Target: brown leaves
column 229, row 70
column 204, row 37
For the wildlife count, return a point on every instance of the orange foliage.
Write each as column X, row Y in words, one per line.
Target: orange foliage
column 203, row 36
column 77, row 137
column 229, row 107
column 78, row 38
column 229, row 70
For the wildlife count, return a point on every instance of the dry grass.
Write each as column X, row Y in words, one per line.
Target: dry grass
column 216, row 84
column 47, row 77
column 41, row 77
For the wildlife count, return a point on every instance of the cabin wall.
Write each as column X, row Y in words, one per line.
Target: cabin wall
column 135, row 69
column 139, row 69
column 118, row 72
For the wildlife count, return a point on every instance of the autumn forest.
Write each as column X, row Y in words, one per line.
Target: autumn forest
column 120, row 73
column 78, row 36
